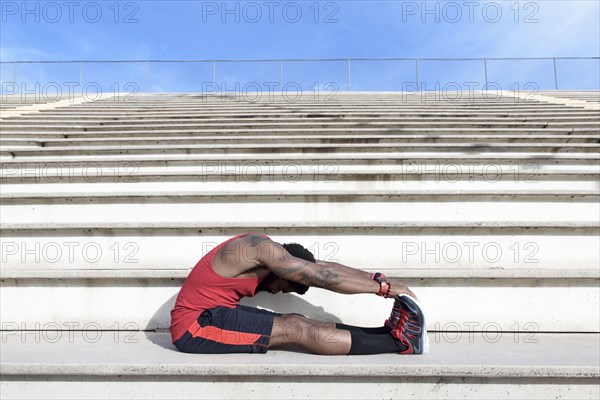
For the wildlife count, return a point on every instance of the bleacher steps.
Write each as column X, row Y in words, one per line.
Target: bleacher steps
column 486, row 206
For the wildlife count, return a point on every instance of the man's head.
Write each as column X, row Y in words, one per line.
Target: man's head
column 274, row 284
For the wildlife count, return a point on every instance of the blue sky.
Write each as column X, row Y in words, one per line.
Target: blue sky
column 206, row 30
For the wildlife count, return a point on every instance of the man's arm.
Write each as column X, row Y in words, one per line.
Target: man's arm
column 328, row 275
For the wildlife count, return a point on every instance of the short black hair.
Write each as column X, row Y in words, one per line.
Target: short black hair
column 299, row 251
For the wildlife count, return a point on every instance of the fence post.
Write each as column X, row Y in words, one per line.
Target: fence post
column 81, row 76
column 417, row 72
column 214, row 72
column 15, row 72
column 555, row 74
column 281, row 76
column 485, row 72
column 348, row 74
column 147, row 70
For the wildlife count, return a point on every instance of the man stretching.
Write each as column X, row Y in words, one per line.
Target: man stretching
column 208, row 319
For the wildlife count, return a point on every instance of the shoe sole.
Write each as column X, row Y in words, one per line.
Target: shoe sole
column 424, row 342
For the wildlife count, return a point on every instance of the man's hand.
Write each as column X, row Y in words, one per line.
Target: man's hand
column 399, row 288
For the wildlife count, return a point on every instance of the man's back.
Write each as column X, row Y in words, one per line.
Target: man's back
column 204, row 288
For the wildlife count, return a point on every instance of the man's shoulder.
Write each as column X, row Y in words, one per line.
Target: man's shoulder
column 251, row 239
column 255, row 235
column 239, row 254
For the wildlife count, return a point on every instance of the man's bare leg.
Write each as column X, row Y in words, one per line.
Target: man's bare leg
column 314, row 336
column 294, row 330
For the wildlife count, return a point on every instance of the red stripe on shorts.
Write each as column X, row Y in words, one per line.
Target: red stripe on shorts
column 222, row 335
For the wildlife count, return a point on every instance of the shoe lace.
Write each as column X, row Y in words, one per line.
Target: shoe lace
column 397, row 322
column 392, row 321
column 403, row 322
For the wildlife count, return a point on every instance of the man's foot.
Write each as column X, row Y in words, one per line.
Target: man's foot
column 407, row 324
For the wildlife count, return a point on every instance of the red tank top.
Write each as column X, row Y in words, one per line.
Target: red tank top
column 204, row 289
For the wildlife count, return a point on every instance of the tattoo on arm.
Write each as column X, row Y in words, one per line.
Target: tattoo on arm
column 285, row 271
column 327, row 279
column 324, row 278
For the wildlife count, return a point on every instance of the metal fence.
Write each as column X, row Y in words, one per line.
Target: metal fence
column 281, row 62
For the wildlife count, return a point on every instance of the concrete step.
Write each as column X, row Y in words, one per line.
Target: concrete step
column 325, row 112
column 213, row 149
column 363, row 96
column 591, row 96
column 344, row 132
column 484, row 124
column 476, row 172
column 290, row 102
column 326, row 101
column 243, row 109
column 20, row 101
column 374, row 136
column 315, row 159
column 35, row 141
column 294, row 119
column 477, row 251
column 140, row 364
column 249, row 110
column 450, row 276
column 347, row 100
column 397, row 227
column 365, row 139
column 302, row 98
column 99, row 116
column 376, row 212
column 4, row 106
column 107, row 227
column 565, row 302
column 583, row 188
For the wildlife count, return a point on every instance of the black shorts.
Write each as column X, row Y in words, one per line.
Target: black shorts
column 229, row 330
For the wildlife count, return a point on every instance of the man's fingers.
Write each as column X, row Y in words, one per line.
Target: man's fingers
column 410, row 293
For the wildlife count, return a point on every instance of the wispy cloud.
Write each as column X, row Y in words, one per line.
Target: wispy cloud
column 22, row 53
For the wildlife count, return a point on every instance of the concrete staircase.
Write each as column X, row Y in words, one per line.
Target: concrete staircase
column 487, row 206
